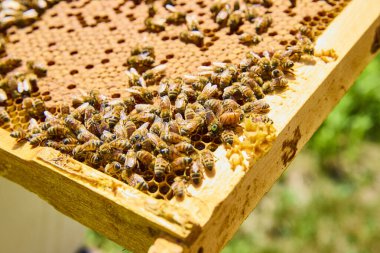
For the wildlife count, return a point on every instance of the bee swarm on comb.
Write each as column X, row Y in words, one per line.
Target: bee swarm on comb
column 160, row 133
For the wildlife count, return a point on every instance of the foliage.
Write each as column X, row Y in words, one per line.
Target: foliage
column 356, row 117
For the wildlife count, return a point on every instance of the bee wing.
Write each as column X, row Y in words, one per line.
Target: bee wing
column 170, row 8
column 133, row 90
column 210, row 116
column 159, row 68
column 219, row 64
column 154, row 138
column 33, row 124
column 144, row 126
column 180, row 101
column 189, row 78
column 165, row 102
column 253, row 54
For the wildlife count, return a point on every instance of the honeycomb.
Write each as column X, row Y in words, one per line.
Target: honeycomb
column 85, row 45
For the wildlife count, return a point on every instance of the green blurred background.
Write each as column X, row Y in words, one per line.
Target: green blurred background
column 328, row 200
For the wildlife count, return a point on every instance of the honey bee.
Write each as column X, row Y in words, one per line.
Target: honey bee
column 136, row 181
column 53, row 144
column 147, row 50
column 189, row 113
column 184, row 147
column 78, row 113
column 155, row 25
column 306, row 31
column 263, row 23
column 174, row 88
column 212, row 122
column 37, row 68
column 153, row 75
column 120, row 144
column 255, row 87
column 230, row 117
column 228, row 136
column 171, row 153
column 113, row 168
column 251, row 13
column 37, row 139
column 130, row 161
column 140, row 133
column 247, row 93
column 227, row 76
column 304, row 46
column 125, row 129
column 231, row 91
column 144, row 157
column 190, row 126
column 141, row 93
column 175, row 17
column 180, row 163
column 230, row 104
column 69, row 140
column 72, row 123
column 91, row 145
column 9, row 64
column 217, row 6
column 38, row 107
column 140, row 62
column 108, row 136
column 208, row 92
column 4, row 117
column 95, row 124
column 34, row 127
column 134, row 78
column 193, row 37
column 197, row 82
column 92, row 158
column 119, row 157
column 179, row 187
column 196, row 172
column 58, row 130
column 142, row 117
column 172, row 138
column 207, row 159
column 235, row 20
column 129, row 103
column 84, row 135
column 19, row 134
column 215, row 105
column 159, row 144
column 24, row 84
column 150, row 108
column 249, row 39
column 152, row 10
column 181, row 102
column 67, row 148
column 277, row 83
column 160, row 166
column 192, row 23
column 157, row 126
column 105, row 149
column 165, row 105
column 262, row 119
column 223, row 15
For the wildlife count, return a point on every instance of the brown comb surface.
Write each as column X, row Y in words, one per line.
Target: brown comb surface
column 86, row 43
